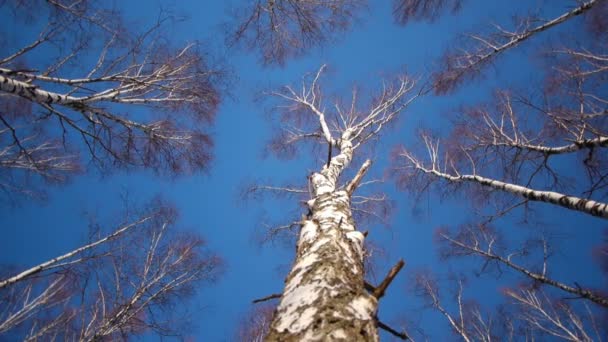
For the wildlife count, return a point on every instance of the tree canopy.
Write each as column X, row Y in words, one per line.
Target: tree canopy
column 404, row 169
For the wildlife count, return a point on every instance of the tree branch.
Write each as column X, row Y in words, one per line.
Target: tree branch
column 354, row 183
column 383, row 326
column 380, row 289
column 263, row 299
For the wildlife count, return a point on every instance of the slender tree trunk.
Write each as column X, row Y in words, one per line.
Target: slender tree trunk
column 571, row 202
column 520, row 37
column 35, row 94
column 586, row 206
column 324, row 296
column 55, row 261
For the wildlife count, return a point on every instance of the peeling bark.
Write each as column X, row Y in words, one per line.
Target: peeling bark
column 325, row 297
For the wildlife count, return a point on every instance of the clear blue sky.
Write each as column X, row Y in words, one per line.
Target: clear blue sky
column 210, row 203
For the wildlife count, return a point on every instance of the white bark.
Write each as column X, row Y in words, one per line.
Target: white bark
column 324, row 296
column 46, row 98
column 571, row 202
column 33, row 93
column 576, row 146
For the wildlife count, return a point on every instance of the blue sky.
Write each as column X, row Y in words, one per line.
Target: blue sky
column 209, row 203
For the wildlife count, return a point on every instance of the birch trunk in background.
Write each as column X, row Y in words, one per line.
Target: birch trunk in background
column 435, row 170
column 570, row 202
column 324, row 296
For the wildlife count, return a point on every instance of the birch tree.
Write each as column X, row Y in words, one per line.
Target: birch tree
column 71, row 257
column 531, row 314
column 512, row 143
column 326, row 295
column 127, row 283
column 70, row 95
column 545, row 144
column 495, row 150
column 556, row 318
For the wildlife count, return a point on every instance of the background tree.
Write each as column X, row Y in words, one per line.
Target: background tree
column 526, row 146
column 66, row 92
column 131, row 282
column 283, row 29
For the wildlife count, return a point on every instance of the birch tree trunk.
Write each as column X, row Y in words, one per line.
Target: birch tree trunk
column 324, row 296
column 55, row 262
column 434, row 169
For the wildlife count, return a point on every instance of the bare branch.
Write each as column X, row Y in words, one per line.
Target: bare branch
column 428, row 288
column 380, row 289
column 255, row 325
column 553, row 319
column 401, row 335
column 358, row 126
column 269, row 297
column 354, row 183
column 131, row 69
column 129, row 284
column 26, row 303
